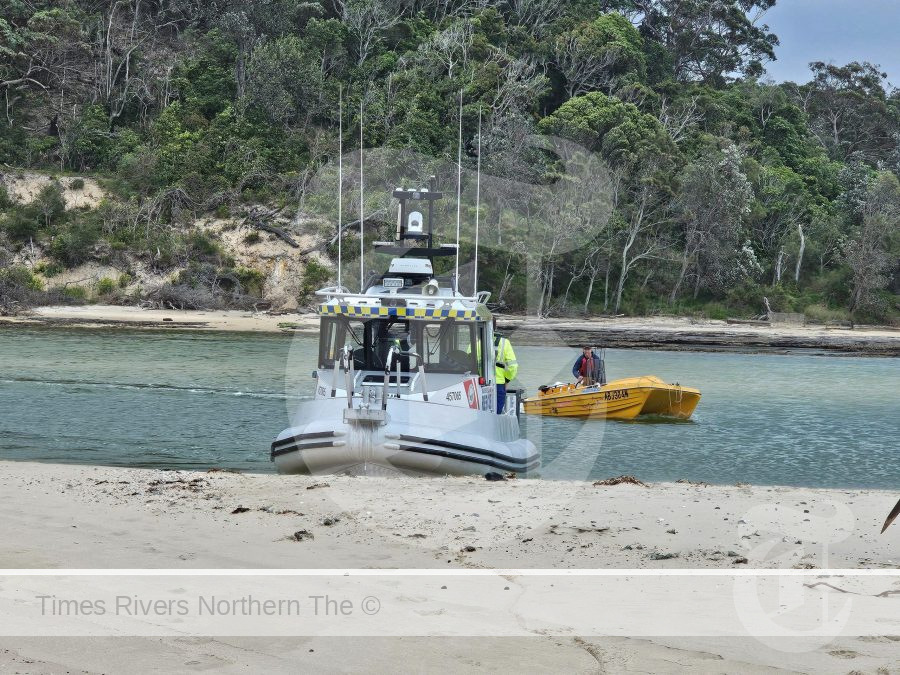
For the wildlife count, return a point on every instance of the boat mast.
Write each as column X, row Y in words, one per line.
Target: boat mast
column 361, row 195
column 477, row 203
column 340, row 176
column 458, row 190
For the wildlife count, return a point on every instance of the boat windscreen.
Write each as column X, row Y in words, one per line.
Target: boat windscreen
column 337, row 333
column 446, row 346
column 449, row 347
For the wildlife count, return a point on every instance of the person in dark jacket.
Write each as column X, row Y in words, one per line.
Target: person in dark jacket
column 589, row 368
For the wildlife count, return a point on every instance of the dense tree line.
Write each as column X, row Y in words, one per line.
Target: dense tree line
column 722, row 187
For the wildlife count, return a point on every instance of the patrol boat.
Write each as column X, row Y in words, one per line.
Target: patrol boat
column 405, row 372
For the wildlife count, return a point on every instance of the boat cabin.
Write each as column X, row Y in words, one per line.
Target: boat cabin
column 410, row 331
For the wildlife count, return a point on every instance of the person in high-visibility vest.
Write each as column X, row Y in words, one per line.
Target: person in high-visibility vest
column 506, row 368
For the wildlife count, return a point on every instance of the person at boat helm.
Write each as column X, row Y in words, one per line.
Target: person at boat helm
column 588, row 368
column 506, row 366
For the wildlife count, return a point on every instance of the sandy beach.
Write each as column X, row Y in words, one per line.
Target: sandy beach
column 73, row 515
column 667, row 333
column 70, row 516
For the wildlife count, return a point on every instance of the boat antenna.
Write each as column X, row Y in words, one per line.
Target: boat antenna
column 477, row 202
column 340, row 177
column 458, row 189
column 362, row 220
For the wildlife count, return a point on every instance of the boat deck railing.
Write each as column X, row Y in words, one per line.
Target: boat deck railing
column 343, row 294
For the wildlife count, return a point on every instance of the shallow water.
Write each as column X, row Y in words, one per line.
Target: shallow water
column 196, row 400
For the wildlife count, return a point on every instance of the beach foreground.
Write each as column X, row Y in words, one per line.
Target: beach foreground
column 69, row 516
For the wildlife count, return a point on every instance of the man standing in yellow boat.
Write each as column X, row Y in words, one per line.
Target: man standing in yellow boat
column 589, row 368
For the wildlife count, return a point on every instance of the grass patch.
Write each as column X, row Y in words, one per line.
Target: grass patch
column 820, row 313
column 106, row 286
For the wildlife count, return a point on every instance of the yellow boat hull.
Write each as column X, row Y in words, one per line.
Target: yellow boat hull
column 622, row 399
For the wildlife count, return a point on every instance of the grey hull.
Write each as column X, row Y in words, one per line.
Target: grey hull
column 413, row 438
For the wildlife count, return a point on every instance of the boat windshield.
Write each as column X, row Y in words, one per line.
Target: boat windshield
column 444, row 346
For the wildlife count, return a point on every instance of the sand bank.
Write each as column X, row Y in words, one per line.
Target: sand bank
column 668, row 333
column 83, row 516
column 114, row 316
column 98, row 517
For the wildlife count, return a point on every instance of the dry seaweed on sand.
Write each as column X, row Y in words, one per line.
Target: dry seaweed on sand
column 619, row 480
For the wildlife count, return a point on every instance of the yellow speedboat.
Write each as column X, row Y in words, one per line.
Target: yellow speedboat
column 622, row 399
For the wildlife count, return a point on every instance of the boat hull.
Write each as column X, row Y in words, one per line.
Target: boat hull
column 413, row 438
column 618, row 400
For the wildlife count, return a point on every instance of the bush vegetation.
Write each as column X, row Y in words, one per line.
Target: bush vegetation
column 728, row 188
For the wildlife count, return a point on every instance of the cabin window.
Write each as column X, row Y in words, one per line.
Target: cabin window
column 449, row 347
column 387, row 333
column 337, row 333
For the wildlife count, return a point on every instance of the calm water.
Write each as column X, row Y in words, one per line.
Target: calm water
column 189, row 400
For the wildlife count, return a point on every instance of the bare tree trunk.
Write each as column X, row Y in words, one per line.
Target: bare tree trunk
column 240, row 74
column 590, row 291
column 548, row 296
column 623, row 273
column 606, row 289
column 681, row 275
column 800, row 254
column 779, row 265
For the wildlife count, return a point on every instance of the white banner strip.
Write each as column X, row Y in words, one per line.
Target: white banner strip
column 461, row 572
column 810, row 607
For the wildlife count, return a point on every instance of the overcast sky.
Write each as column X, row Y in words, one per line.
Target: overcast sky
column 837, row 31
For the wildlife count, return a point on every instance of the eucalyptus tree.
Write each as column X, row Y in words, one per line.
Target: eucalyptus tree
column 708, row 40
column 873, row 248
column 594, row 55
column 712, row 204
column 849, row 111
column 642, row 158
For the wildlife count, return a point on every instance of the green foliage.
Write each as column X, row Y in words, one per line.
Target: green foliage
column 315, row 275
column 819, row 313
column 50, row 203
column 201, row 247
column 20, row 277
column 106, row 286
column 74, row 244
column 252, row 281
column 234, row 103
column 5, row 200
column 599, row 54
column 92, row 143
column 76, row 293
column 619, row 131
column 21, row 224
column 49, row 269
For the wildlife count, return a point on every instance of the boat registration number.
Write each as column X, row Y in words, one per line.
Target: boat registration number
column 615, row 395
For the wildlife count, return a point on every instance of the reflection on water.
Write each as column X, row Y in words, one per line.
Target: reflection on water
column 195, row 400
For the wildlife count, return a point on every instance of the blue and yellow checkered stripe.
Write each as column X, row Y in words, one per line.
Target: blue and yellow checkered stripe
column 402, row 312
